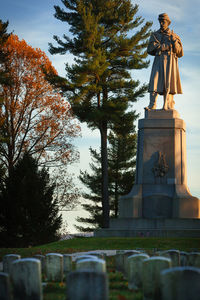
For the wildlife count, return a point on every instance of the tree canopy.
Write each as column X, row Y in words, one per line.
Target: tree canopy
column 29, row 213
column 108, row 40
column 36, row 118
column 4, row 78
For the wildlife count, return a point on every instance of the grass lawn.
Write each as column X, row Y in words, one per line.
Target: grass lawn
column 91, row 243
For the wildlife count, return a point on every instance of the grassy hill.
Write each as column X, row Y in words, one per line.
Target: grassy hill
column 91, row 243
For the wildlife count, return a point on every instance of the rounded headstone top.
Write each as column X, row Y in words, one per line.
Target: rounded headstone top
column 19, row 261
column 139, row 255
column 181, row 269
column 99, row 260
column 157, row 258
column 55, row 254
column 83, row 257
column 122, row 251
column 171, row 251
column 12, row 255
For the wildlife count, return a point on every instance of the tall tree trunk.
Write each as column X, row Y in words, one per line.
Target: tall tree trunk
column 10, row 158
column 104, row 165
column 116, row 200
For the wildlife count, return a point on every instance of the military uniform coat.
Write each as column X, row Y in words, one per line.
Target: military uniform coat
column 165, row 77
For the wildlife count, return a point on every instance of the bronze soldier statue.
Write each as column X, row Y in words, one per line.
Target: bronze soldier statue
column 166, row 46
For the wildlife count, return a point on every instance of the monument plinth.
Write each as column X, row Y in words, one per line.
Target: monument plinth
column 160, row 189
column 160, row 203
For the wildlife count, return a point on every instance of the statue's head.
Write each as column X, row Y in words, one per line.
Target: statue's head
column 164, row 21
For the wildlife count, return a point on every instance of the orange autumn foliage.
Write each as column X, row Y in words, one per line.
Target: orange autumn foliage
column 37, row 119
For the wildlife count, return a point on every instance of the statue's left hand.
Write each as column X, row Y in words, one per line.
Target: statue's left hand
column 174, row 38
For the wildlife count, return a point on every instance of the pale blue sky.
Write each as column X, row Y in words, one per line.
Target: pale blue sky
column 34, row 22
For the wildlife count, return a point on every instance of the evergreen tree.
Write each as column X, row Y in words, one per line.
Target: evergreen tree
column 121, row 170
column 122, row 158
column 108, row 42
column 29, row 214
column 4, row 79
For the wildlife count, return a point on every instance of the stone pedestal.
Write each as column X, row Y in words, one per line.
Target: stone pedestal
column 160, row 190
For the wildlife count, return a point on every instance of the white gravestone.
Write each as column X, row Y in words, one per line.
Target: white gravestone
column 174, row 255
column 151, row 269
column 87, row 285
column 119, row 260
column 98, row 265
column 26, row 279
column 8, row 260
column 194, row 259
column 54, row 267
column 180, row 283
column 42, row 260
column 125, row 257
column 5, row 288
column 67, row 263
column 184, row 258
column 135, row 270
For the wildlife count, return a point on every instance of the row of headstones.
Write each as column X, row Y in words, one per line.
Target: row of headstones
column 158, row 276
column 178, row 258
column 168, row 275
column 21, row 278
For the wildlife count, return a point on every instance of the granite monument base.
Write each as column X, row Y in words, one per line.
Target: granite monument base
column 160, row 203
column 155, row 227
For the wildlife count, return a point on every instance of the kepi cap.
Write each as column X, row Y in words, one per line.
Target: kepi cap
column 164, row 16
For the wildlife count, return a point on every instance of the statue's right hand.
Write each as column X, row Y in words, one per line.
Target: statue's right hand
column 165, row 47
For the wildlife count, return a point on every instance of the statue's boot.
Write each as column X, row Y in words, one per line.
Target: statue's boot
column 166, row 101
column 171, row 101
column 153, row 99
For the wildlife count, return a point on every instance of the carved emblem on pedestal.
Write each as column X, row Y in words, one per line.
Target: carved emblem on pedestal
column 161, row 167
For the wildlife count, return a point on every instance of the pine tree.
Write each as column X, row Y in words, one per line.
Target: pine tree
column 122, row 158
column 29, row 214
column 108, row 42
column 4, row 35
column 121, row 170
